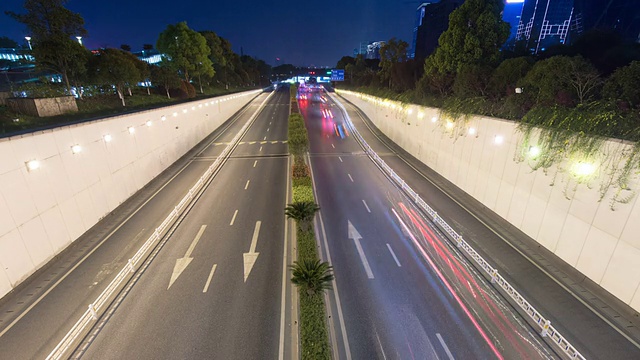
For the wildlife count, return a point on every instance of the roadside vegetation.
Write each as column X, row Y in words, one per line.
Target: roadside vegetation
column 110, row 81
column 310, row 274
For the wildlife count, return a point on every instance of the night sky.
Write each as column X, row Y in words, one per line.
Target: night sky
column 298, row 32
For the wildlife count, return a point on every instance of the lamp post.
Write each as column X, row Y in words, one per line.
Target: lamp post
column 79, row 39
column 28, row 38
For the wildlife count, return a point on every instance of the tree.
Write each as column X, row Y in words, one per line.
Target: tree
column 302, row 212
column 547, row 82
column 166, row 77
column 622, row 85
column 6, row 42
column 506, row 77
column 147, row 47
column 475, row 35
column 392, row 53
column 312, row 276
column 125, row 47
column 584, row 78
column 187, row 50
column 116, row 67
column 344, row 61
column 51, row 26
column 472, row 80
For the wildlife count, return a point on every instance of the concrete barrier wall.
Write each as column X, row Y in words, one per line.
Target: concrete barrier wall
column 44, row 209
column 564, row 213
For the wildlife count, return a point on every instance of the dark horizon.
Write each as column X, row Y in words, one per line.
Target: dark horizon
column 302, row 34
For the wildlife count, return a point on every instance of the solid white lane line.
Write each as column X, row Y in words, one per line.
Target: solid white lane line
column 366, row 206
column 381, row 348
column 260, row 148
column 233, row 218
column 444, row 345
column 283, row 295
column 247, row 185
column 394, row 255
column 254, row 163
column 340, row 158
column 350, row 178
column 333, row 146
column 206, row 286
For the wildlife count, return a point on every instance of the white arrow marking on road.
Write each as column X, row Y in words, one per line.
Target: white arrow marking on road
column 355, row 235
column 251, row 257
column 182, row 263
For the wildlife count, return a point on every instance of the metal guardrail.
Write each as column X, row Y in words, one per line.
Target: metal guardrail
column 102, row 301
column 546, row 329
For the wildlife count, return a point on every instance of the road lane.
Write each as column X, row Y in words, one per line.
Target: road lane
column 399, row 312
column 234, row 317
column 35, row 317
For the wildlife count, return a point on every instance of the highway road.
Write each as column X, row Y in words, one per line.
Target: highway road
column 402, row 291
column 214, row 289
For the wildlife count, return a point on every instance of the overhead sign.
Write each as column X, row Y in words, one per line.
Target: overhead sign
column 337, row 75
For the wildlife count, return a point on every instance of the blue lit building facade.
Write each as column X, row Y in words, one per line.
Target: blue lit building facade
column 545, row 23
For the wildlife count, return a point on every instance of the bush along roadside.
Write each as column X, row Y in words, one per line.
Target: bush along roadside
column 309, row 274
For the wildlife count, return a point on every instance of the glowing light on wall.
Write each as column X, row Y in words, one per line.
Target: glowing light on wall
column 498, row 139
column 149, row 123
column 107, row 138
column 33, row 165
column 434, row 119
column 472, row 131
column 76, row 148
column 131, row 130
column 534, row 151
column 449, row 125
column 584, row 168
column 163, row 118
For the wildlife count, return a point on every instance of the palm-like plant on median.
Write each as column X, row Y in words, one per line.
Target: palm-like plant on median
column 302, row 212
column 312, row 276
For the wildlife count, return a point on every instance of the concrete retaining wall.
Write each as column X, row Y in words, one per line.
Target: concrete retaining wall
column 43, row 107
column 565, row 215
column 44, row 210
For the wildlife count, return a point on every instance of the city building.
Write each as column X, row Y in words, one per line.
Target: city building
column 620, row 16
column 370, row 50
column 511, row 14
column 432, row 20
column 14, row 55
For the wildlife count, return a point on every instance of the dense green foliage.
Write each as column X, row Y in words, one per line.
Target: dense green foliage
column 312, row 276
column 187, row 50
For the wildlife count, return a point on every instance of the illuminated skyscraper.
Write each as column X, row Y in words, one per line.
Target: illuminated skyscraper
column 544, row 23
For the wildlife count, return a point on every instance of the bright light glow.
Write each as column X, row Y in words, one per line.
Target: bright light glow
column 149, row 123
column 420, row 115
column 499, row 139
column 472, row 131
column 534, row 151
column 206, row 104
column 33, row 165
column 107, row 138
column 393, row 106
column 76, row 148
column 434, row 119
column 514, row 1
column 410, row 111
column 193, row 108
column 184, row 110
column 200, row 106
column 449, row 125
column 584, row 168
column 132, row 129
column 175, row 114
column 163, row 118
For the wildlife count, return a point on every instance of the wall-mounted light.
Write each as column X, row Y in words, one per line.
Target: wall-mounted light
column 163, row 118
column 420, row 115
column 200, row 106
column 193, row 108
column 107, row 138
column 206, row 104
column 131, row 130
column 76, row 149
column 149, row 123
column 498, row 139
column 184, row 111
column 175, row 114
column 449, row 125
column 534, row 151
column 434, row 119
column 472, row 131
column 410, row 111
column 32, row 165
column 584, row 168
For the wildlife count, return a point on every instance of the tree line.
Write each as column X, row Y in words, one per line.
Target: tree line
column 590, row 86
column 189, row 57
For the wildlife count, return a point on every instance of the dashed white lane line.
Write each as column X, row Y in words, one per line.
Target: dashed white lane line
column 366, row 206
column 247, row 185
column 265, row 138
column 267, row 129
column 260, row 148
column 333, row 146
column 233, row 218
column 444, row 345
column 340, row 158
column 255, row 163
column 350, row 178
column 206, row 286
column 394, row 255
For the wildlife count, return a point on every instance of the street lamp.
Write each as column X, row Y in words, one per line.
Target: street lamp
column 28, row 38
column 79, row 39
